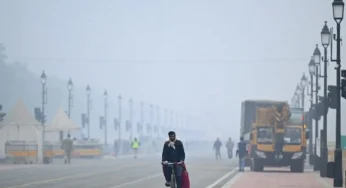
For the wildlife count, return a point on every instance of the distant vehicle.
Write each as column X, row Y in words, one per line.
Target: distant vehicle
column 276, row 134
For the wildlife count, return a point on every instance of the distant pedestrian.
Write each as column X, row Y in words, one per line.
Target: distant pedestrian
column 241, row 153
column 67, row 146
column 229, row 147
column 135, row 145
column 217, row 147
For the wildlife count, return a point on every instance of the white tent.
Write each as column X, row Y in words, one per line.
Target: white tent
column 60, row 122
column 19, row 124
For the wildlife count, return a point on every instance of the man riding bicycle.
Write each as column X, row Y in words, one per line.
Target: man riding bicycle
column 173, row 151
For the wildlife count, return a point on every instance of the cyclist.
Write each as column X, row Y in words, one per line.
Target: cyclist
column 135, row 145
column 173, row 151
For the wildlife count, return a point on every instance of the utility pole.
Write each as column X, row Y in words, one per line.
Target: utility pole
column 69, row 87
column 312, row 70
column 43, row 116
column 88, row 90
column 106, row 108
column 142, row 119
column 119, row 133
column 151, row 119
column 325, row 39
column 317, row 159
column 338, row 13
column 303, row 93
column 130, row 121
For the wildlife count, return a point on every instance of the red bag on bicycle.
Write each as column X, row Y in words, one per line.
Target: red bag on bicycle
column 185, row 177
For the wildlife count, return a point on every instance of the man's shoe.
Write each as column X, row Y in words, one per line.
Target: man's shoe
column 168, row 184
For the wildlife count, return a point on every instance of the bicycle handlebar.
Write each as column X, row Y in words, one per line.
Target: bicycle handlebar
column 170, row 163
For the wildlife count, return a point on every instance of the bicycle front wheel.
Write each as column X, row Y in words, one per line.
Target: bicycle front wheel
column 173, row 181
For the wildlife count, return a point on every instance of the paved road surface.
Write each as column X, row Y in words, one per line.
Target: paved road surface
column 112, row 173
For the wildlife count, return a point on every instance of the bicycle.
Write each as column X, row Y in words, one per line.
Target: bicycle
column 173, row 178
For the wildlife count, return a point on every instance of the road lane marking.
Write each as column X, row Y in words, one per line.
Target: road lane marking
column 222, row 178
column 136, row 181
column 232, row 180
column 75, row 176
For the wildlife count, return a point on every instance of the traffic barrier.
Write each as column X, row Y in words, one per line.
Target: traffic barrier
column 57, row 151
column 17, row 152
column 48, row 153
column 88, row 149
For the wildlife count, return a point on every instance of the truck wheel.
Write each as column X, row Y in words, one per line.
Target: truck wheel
column 257, row 166
column 251, row 165
column 298, row 166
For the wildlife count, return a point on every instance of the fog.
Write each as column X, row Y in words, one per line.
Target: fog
column 198, row 58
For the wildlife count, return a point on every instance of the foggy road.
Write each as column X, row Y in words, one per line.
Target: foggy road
column 113, row 173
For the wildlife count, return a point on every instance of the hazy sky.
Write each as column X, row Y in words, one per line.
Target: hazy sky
column 199, row 56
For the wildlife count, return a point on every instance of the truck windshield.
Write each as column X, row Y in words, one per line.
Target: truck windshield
column 264, row 135
column 292, row 135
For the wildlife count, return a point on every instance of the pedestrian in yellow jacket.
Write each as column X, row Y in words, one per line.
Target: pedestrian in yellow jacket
column 135, row 145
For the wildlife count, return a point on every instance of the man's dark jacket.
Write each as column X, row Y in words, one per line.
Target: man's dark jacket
column 173, row 155
column 242, row 151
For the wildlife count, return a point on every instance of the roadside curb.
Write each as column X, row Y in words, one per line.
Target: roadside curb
column 231, row 181
column 224, row 179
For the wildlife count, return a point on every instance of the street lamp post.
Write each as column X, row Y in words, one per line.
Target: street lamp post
column 312, row 71
column 88, row 91
column 119, row 132
column 325, row 39
column 303, row 83
column 338, row 13
column 44, row 101
column 298, row 95
column 69, row 87
column 158, row 121
column 293, row 100
column 151, row 119
column 105, row 94
column 142, row 119
column 130, row 118
column 317, row 61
